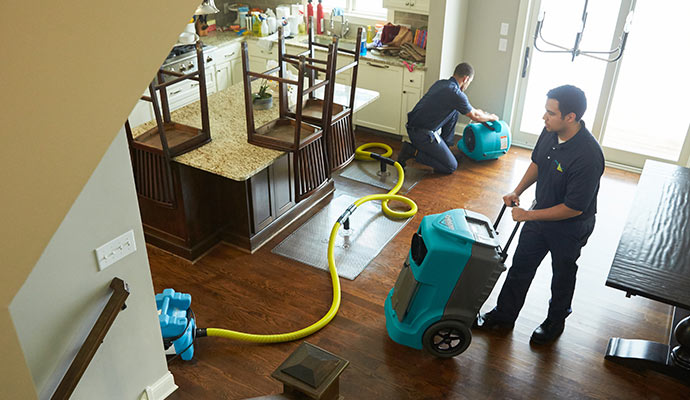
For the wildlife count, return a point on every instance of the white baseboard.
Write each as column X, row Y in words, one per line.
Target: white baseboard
column 161, row 389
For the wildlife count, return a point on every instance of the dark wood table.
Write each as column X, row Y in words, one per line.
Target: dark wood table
column 653, row 261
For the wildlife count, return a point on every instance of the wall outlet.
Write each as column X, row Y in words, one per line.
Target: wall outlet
column 115, row 250
column 502, row 44
column 504, row 29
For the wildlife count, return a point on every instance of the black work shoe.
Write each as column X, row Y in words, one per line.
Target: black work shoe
column 490, row 321
column 406, row 152
column 548, row 331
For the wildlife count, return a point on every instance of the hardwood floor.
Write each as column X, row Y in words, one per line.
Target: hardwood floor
column 266, row 293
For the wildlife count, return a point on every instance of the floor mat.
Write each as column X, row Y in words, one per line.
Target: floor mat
column 369, row 172
column 370, row 230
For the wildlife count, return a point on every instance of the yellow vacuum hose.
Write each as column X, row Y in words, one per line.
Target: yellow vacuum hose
column 360, row 154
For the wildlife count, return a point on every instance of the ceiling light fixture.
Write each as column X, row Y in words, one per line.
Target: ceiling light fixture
column 616, row 53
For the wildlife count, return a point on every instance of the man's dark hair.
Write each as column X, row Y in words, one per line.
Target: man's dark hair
column 570, row 100
column 464, row 69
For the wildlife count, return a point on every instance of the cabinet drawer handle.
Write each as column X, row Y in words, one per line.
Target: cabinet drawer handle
column 175, row 92
column 378, row 66
column 230, row 55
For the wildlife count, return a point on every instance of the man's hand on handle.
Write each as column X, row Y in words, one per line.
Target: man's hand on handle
column 513, row 200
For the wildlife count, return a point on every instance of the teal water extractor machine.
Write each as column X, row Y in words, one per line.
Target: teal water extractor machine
column 453, row 264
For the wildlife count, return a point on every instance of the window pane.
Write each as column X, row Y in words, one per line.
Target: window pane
column 369, row 6
column 549, row 70
column 649, row 112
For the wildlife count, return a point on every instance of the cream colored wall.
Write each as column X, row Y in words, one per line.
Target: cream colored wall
column 72, row 71
column 492, row 67
column 64, row 294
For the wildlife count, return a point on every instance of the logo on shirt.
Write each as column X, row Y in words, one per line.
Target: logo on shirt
column 559, row 168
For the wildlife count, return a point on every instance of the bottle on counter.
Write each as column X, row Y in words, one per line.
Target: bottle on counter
column 319, row 18
column 370, row 34
column 310, row 13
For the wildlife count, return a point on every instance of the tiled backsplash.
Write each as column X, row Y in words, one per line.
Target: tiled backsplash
column 414, row 20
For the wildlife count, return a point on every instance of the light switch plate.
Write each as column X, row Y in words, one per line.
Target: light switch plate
column 504, row 28
column 115, row 250
column 502, row 44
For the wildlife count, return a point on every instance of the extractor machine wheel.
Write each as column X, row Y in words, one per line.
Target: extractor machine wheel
column 446, row 339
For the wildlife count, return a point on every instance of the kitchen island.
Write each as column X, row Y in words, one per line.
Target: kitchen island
column 229, row 190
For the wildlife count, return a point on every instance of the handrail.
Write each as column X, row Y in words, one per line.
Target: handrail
column 93, row 341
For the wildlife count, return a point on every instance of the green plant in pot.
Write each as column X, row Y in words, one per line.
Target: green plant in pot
column 263, row 100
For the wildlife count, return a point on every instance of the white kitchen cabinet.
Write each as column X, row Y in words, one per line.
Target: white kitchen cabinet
column 187, row 91
column 236, row 70
column 227, row 59
column 413, row 83
column 410, row 97
column 259, row 56
column 384, row 113
column 223, row 73
column 413, row 6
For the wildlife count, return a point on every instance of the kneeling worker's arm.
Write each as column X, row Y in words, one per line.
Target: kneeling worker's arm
column 478, row 115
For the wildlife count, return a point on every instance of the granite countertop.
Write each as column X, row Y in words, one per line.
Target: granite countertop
column 217, row 38
column 228, row 154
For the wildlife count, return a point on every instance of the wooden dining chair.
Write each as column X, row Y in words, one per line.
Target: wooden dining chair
column 289, row 132
column 337, row 120
column 152, row 152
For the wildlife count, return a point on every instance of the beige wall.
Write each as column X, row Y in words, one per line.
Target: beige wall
column 492, row 67
column 65, row 293
column 447, row 25
column 468, row 30
column 72, row 71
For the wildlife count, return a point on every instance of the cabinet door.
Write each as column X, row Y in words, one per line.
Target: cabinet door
column 410, row 98
column 236, row 70
column 384, row 113
column 415, row 6
column 223, row 75
column 262, row 213
column 282, row 187
column 419, row 6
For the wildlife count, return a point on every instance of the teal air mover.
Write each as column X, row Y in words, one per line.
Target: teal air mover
column 453, row 264
column 486, row 140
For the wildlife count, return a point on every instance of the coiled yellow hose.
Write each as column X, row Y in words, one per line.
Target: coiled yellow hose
column 360, row 154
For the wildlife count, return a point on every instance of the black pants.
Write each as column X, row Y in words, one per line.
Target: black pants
column 564, row 241
column 433, row 153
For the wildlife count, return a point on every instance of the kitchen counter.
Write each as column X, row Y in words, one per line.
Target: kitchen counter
column 217, row 38
column 228, row 154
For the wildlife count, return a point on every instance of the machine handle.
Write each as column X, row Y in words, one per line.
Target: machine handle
column 504, row 250
column 486, row 124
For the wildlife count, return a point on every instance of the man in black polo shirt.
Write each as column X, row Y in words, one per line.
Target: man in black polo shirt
column 567, row 164
column 431, row 123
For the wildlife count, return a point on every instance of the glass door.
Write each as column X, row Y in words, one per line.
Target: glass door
column 625, row 97
column 648, row 110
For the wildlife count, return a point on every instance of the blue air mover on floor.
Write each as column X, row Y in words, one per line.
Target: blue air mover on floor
column 486, row 140
column 453, row 264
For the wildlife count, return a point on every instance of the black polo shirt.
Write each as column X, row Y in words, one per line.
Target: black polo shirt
column 569, row 172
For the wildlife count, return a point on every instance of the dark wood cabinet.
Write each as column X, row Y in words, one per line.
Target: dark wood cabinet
column 272, row 193
column 209, row 208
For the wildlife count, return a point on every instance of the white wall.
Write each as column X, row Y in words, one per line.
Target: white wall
column 64, row 294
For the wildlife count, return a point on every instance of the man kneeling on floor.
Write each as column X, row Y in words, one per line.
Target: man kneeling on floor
column 431, row 123
column 567, row 164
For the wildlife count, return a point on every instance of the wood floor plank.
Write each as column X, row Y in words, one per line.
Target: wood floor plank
column 267, row 293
